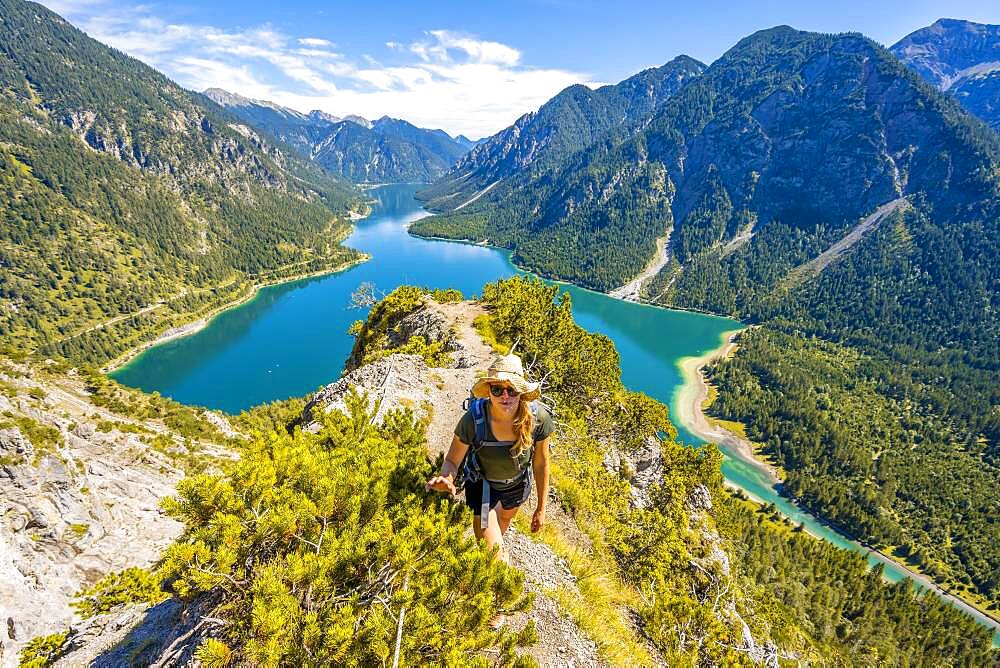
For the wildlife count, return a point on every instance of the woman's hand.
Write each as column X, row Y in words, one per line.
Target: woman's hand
column 440, row 483
column 538, row 520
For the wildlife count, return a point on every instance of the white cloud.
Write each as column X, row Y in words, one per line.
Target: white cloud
column 478, row 50
column 442, row 80
column 314, row 41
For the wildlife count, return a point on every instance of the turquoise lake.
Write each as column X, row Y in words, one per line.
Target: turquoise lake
column 292, row 338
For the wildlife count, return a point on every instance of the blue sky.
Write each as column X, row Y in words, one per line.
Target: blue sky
column 467, row 67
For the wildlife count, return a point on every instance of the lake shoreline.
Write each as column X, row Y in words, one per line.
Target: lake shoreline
column 552, row 279
column 691, row 413
column 691, row 406
column 202, row 321
column 723, row 330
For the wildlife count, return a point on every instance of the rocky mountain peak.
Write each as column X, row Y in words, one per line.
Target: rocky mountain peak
column 225, row 98
column 945, row 51
column 961, row 58
column 318, row 115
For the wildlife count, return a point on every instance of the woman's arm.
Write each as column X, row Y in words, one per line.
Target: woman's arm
column 540, row 469
column 445, row 481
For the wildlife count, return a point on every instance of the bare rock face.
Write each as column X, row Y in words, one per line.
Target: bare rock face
column 405, row 381
column 428, row 322
column 435, row 323
column 699, row 499
column 219, row 421
column 72, row 511
column 643, row 467
column 397, row 381
column 13, row 442
column 167, row 634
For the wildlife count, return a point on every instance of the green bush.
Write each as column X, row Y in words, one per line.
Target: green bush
column 132, row 585
column 43, row 650
column 315, row 542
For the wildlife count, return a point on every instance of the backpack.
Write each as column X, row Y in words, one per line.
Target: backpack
column 471, row 469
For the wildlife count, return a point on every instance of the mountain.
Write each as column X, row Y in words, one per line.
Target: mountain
column 129, row 202
column 961, row 58
column 568, row 122
column 298, row 130
column 731, row 153
column 466, row 142
column 388, row 150
column 814, row 185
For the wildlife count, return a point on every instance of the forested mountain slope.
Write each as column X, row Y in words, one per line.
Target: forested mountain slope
column 961, row 58
column 871, row 381
column 388, row 150
column 734, row 151
column 570, row 121
column 123, row 193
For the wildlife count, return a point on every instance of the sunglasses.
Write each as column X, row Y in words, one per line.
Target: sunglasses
column 498, row 390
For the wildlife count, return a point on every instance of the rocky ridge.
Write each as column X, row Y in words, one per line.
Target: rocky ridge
column 387, row 150
column 167, row 633
column 570, row 121
column 436, row 394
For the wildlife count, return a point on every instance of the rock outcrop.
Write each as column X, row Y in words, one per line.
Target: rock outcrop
column 960, row 58
column 642, row 467
column 80, row 488
column 405, row 381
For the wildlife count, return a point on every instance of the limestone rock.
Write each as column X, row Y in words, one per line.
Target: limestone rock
column 699, row 499
column 87, row 508
column 134, row 635
column 219, row 421
column 643, row 467
column 13, row 442
column 396, row 381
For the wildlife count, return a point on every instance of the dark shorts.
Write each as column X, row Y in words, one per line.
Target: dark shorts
column 509, row 496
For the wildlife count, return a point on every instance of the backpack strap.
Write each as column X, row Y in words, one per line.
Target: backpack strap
column 478, row 408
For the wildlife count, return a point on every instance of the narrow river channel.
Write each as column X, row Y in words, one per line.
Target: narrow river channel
column 292, row 338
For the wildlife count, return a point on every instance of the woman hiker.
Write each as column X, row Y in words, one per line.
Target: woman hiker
column 508, row 434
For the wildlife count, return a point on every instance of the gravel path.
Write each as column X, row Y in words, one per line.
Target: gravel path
column 404, row 380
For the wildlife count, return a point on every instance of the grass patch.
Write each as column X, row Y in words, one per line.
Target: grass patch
column 79, row 530
column 484, row 326
column 600, row 605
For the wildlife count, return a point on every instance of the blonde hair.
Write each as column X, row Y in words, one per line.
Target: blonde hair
column 524, row 427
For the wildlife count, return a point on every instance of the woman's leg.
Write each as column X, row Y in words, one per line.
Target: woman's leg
column 505, row 517
column 499, row 520
column 493, row 534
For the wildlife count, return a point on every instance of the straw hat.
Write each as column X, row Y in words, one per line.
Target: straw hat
column 507, row 369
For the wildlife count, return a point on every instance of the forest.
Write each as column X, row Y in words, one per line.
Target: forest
column 874, row 387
